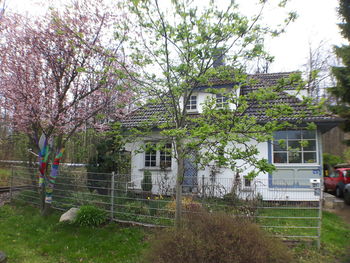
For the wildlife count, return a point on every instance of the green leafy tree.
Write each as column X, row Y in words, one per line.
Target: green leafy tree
column 179, row 48
column 109, row 157
column 341, row 91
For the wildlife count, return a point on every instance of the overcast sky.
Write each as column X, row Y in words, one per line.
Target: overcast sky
column 316, row 22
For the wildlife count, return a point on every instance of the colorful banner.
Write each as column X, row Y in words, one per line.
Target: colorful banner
column 53, row 176
column 43, row 158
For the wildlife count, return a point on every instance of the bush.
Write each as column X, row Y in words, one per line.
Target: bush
column 209, row 238
column 332, row 159
column 89, row 215
column 146, row 183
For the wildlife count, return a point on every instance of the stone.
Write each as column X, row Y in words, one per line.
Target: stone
column 70, row 215
column 3, row 258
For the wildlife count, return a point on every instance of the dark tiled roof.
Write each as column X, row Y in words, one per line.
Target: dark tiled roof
column 153, row 115
column 259, row 79
column 149, row 114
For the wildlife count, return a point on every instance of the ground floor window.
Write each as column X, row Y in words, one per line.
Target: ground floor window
column 158, row 156
column 295, row 146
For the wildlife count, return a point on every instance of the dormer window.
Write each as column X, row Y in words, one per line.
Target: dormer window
column 221, row 101
column 192, row 103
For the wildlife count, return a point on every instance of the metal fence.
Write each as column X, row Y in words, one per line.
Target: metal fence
column 287, row 211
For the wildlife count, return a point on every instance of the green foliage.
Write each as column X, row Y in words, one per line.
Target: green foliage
column 109, row 153
column 110, row 157
column 342, row 89
column 146, row 183
column 216, row 238
column 24, row 234
column 14, row 146
column 346, row 155
column 90, row 216
column 5, row 176
column 332, row 159
column 187, row 54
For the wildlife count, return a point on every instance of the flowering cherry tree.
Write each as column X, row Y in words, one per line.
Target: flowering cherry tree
column 59, row 73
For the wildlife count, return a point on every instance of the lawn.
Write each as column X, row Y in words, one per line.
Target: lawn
column 27, row 237
column 4, row 176
column 335, row 242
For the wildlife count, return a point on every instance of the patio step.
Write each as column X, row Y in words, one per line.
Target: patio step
column 332, row 202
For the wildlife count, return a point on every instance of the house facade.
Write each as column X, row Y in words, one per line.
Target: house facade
column 295, row 163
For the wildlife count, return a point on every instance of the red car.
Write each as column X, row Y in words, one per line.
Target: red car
column 336, row 180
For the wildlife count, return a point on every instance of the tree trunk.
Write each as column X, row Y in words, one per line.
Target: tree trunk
column 42, row 199
column 179, row 181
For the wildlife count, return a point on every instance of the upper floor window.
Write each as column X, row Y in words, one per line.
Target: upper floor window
column 158, row 157
column 295, row 146
column 221, row 101
column 192, row 103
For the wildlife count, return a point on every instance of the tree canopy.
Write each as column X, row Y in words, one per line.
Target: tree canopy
column 342, row 73
column 179, row 48
column 57, row 73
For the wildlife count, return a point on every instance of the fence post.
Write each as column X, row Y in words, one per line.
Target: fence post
column 319, row 218
column 11, row 182
column 112, row 195
column 203, row 187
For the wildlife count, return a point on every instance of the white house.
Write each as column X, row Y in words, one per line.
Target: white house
column 294, row 169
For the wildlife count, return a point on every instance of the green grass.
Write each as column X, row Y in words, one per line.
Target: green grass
column 335, row 242
column 289, row 221
column 28, row 237
column 4, row 176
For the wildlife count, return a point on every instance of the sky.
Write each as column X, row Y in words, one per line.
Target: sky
column 316, row 22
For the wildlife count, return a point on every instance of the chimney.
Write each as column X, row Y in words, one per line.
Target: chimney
column 218, row 58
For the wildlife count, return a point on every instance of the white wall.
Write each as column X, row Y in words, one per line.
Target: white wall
column 158, row 175
column 202, row 96
column 224, row 179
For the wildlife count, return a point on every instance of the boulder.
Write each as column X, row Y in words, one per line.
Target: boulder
column 70, row 215
column 3, row 258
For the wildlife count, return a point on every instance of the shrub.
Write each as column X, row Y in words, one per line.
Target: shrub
column 332, row 159
column 209, row 238
column 89, row 215
column 187, row 204
column 146, row 183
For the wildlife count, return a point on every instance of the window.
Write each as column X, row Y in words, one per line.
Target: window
column 192, row 103
column 151, row 156
column 247, row 182
column 158, row 157
column 295, row 146
column 346, row 173
column 221, row 101
column 165, row 156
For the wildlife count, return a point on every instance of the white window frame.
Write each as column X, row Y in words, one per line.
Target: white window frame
column 221, row 101
column 301, row 151
column 159, row 154
column 192, row 103
column 148, row 157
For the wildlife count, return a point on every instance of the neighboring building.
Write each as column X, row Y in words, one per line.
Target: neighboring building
column 294, row 168
column 334, row 141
